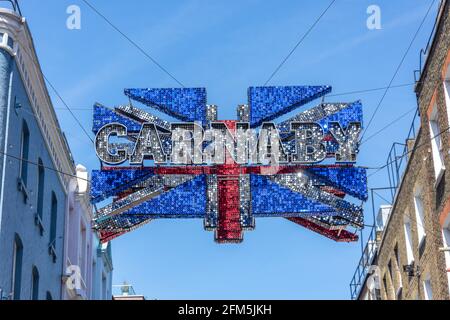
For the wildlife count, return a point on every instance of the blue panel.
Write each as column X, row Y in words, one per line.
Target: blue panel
column 271, row 199
column 103, row 116
column 185, row 104
column 268, row 103
column 351, row 180
column 108, row 183
column 353, row 113
column 186, row 200
column 124, row 221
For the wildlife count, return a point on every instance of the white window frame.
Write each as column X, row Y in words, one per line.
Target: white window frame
column 397, row 270
column 408, row 240
column 436, row 144
column 446, row 242
column 427, row 288
column 420, row 215
column 447, row 92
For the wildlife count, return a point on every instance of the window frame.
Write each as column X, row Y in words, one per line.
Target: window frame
column 437, row 146
column 53, row 230
column 427, row 288
column 35, row 278
column 446, row 84
column 24, row 142
column 419, row 215
column 16, row 279
column 408, row 240
column 40, row 188
column 446, row 242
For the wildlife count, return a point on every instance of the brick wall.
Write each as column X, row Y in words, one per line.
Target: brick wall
column 420, row 174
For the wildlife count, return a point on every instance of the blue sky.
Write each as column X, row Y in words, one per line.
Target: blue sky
column 227, row 46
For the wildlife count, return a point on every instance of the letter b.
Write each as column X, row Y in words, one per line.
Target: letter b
column 308, row 142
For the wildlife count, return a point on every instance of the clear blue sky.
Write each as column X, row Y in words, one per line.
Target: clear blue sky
column 227, row 46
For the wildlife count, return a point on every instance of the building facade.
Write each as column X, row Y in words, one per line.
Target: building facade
column 45, row 212
column 87, row 262
column 408, row 257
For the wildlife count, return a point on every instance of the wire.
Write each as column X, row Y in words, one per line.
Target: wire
column 36, row 63
column 132, row 42
column 370, row 90
column 394, row 121
column 398, row 68
column 298, row 43
column 388, row 125
column 83, row 108
column 67, row 107
column 406, row 153
column 42, row 166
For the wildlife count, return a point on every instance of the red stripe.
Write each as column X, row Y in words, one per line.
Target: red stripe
column 336, row 235
column 229, row 229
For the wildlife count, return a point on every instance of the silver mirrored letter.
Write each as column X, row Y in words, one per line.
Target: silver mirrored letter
column 148, row 146
column 308, row 142
column 103, row 148
column 348, row 140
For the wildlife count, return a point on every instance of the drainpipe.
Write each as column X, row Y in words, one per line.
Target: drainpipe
column 6, row 78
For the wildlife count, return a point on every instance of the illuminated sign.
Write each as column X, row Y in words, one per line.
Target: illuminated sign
column 233, row 171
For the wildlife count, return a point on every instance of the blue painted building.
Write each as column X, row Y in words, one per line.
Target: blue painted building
column 41, row 189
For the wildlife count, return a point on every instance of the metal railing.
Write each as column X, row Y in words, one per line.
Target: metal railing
column 368, row 256
column 396, row 164
column 369, row 251
column 123, row 290
column 423, row 54
column 398, row 157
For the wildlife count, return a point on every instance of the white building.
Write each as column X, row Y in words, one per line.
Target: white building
column 87, row 262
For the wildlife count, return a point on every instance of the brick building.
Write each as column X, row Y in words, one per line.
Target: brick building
column 407, row 256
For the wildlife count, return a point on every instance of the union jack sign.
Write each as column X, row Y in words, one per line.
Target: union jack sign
column 229, row 172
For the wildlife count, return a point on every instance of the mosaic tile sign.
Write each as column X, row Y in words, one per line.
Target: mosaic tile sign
column 165, row 155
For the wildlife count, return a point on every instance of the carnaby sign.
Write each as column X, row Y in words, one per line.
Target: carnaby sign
column 229, row 172
column 191, row 144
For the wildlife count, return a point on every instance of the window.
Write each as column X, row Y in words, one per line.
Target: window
column 35, row 284
column 17, row 268
column 24, row 150
column 397, row 268
column 10, row 42
column 420, row 217
column 82, row 255
column 408, row 240
column 53, row 220
column 104, row 288
column 446, row 242
column 447, row 92
column 436, row 144
column 40, row 194
column 427, row 291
